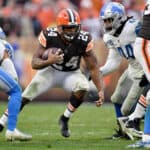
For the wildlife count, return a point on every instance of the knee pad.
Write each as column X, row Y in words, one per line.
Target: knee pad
column 125, row 111
column 115, row 98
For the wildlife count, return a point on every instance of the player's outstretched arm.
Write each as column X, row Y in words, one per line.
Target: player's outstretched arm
column 96, row 76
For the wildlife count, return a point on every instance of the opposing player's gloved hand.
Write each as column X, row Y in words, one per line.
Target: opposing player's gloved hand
column 143, row 81
column 101, row 99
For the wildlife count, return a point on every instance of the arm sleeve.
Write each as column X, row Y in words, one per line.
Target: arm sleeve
column 112, row 63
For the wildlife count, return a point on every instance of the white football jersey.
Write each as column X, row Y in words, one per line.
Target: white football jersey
column 123, row 45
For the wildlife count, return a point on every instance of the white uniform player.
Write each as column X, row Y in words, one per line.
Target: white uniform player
column 120, row 47
column 10, row 86
column 119, row 37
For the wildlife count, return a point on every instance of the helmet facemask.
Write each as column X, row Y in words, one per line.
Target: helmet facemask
column 69, row 32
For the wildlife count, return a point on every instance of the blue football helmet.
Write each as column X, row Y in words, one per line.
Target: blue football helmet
column 112, row 15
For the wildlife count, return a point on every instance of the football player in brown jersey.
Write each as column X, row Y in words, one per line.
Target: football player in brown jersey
column 74, row 44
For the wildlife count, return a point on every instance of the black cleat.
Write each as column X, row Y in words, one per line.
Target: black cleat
column 117, row 135
column 134, row 124
column 132, row 128
column 1, row 127
column 63, row 122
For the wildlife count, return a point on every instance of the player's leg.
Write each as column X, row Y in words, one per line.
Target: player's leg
column 132, row 98
column 145, row 142
column 131, row 124
column 39, row 84
column 141, row 105
column 120, row 92
column 79, row 86
column 12, row 88
column 117, row 99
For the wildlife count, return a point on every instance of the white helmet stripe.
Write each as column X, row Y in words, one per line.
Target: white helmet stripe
column 71, row 15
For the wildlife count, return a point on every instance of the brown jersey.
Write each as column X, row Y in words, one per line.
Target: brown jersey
column 72, row 51
column 145, row 30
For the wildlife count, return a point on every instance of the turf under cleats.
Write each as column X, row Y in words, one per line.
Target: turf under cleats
column 17, row 135
column 63, row 122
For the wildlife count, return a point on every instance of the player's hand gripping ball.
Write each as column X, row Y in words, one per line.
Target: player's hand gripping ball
column 52, row 50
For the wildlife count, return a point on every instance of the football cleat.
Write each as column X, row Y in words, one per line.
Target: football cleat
column 122, row 121
column 117, row 135
column 63, row 122
column 132, row 128
column 17, row 135
column 140, row 144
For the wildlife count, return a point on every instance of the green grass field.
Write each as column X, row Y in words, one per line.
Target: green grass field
column 90, row 126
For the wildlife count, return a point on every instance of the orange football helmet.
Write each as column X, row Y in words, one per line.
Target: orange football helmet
column 68, row 24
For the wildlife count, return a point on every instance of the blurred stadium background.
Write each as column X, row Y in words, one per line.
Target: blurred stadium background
column 22, row 21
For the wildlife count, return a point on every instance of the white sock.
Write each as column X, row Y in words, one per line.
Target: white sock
column 68, row 113
column 3, row 119
column 140, row 109
column 146, row 138
column 9, row 131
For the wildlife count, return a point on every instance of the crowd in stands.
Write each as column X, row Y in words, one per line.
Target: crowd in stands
column 28, row 17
